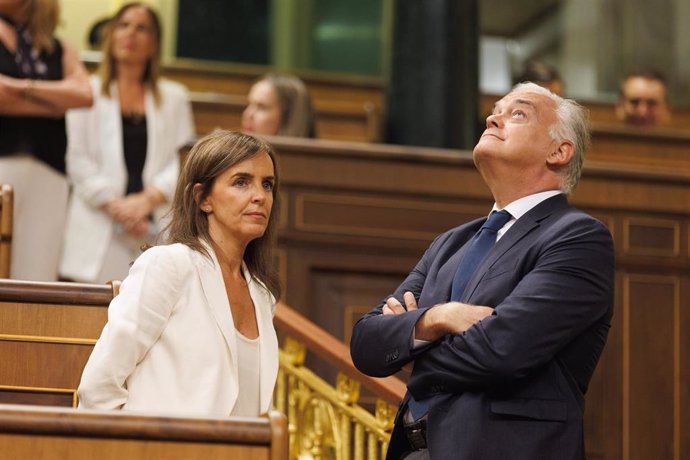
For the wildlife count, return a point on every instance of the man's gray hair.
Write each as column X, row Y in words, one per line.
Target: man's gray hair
column 572, row 125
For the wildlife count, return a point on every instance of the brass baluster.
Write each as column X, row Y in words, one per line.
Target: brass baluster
column 371, row 446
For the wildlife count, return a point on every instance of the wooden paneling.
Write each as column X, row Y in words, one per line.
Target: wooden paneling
column 651, row 369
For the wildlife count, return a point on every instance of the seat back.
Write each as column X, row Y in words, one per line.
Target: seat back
column 6, row 213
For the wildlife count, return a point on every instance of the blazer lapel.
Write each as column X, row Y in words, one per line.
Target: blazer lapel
column 269, row 342
column 152, row 136
column 111, row 142
column 217, row 299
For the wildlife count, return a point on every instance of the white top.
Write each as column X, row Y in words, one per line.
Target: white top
column 249, row 376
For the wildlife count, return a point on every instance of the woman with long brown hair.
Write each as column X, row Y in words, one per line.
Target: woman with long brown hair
column 191, row 330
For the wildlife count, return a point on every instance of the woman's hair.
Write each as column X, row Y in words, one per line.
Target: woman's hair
column 108, row 68
column 296, row 111
column 44, row 16
column 210, row 157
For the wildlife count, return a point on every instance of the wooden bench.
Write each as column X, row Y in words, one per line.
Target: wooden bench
column 6, row 222
column 39, row 433
column 47, row 331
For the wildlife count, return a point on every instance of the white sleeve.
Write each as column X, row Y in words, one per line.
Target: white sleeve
column 136, row 319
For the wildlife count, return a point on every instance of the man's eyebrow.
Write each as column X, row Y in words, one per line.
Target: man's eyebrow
column 526, row 102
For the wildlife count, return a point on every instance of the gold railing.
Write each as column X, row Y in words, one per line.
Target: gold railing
column 326, row 421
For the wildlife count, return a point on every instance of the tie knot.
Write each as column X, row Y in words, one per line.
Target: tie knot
column 497, row 220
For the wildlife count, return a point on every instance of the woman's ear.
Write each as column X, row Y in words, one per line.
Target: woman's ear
column 204, row 205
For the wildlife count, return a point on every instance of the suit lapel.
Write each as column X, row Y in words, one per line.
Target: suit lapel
column 522, row 227
column 217, row 298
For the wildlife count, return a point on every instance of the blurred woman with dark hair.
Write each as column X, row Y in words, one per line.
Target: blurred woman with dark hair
column 122, row 157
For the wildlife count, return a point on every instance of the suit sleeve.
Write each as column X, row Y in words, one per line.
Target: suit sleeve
column 569, row 289
column 380, row 344
column 136, row 318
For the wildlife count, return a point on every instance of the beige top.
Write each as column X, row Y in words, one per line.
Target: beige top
column 248, row 371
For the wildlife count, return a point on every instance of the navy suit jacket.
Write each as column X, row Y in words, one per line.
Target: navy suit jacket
column 512, row 386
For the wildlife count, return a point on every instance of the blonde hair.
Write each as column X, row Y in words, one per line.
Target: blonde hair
column 209, row 158
column 43, row 18
column 108, row 68
column 296, row 111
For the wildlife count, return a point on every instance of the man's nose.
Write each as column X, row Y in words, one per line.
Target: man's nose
column 493, row 121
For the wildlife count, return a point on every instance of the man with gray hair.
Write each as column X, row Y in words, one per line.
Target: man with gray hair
column 503, row 319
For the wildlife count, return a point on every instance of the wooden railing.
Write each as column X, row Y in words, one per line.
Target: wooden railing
column 30, row 432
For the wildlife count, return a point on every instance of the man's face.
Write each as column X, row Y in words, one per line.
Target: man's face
column 643, row 102
column 517, row 132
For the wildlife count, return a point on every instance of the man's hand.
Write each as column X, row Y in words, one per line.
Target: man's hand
column 449, row 318
column 393, row 307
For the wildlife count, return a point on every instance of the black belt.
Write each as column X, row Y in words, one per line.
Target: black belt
column 416, row 434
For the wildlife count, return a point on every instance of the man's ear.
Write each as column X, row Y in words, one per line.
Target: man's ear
column 562, row 155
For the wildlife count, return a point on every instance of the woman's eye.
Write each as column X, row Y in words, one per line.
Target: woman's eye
column 519, row 114
column 268, row 185
column 240, row 182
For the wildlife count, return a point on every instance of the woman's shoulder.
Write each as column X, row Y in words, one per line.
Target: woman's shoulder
column 176, row 256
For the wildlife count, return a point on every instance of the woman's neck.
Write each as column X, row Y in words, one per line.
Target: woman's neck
column 129, row 75
column 229, row 255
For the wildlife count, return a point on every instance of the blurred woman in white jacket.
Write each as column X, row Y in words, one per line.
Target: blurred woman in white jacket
column 122, row 154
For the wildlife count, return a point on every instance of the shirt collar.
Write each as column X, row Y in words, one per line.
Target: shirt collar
column 521, row 206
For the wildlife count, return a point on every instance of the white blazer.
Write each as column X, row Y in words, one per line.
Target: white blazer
column 170, row 344
column 96, row 168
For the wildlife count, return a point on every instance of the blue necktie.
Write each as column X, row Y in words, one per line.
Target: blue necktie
column 479, row 247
